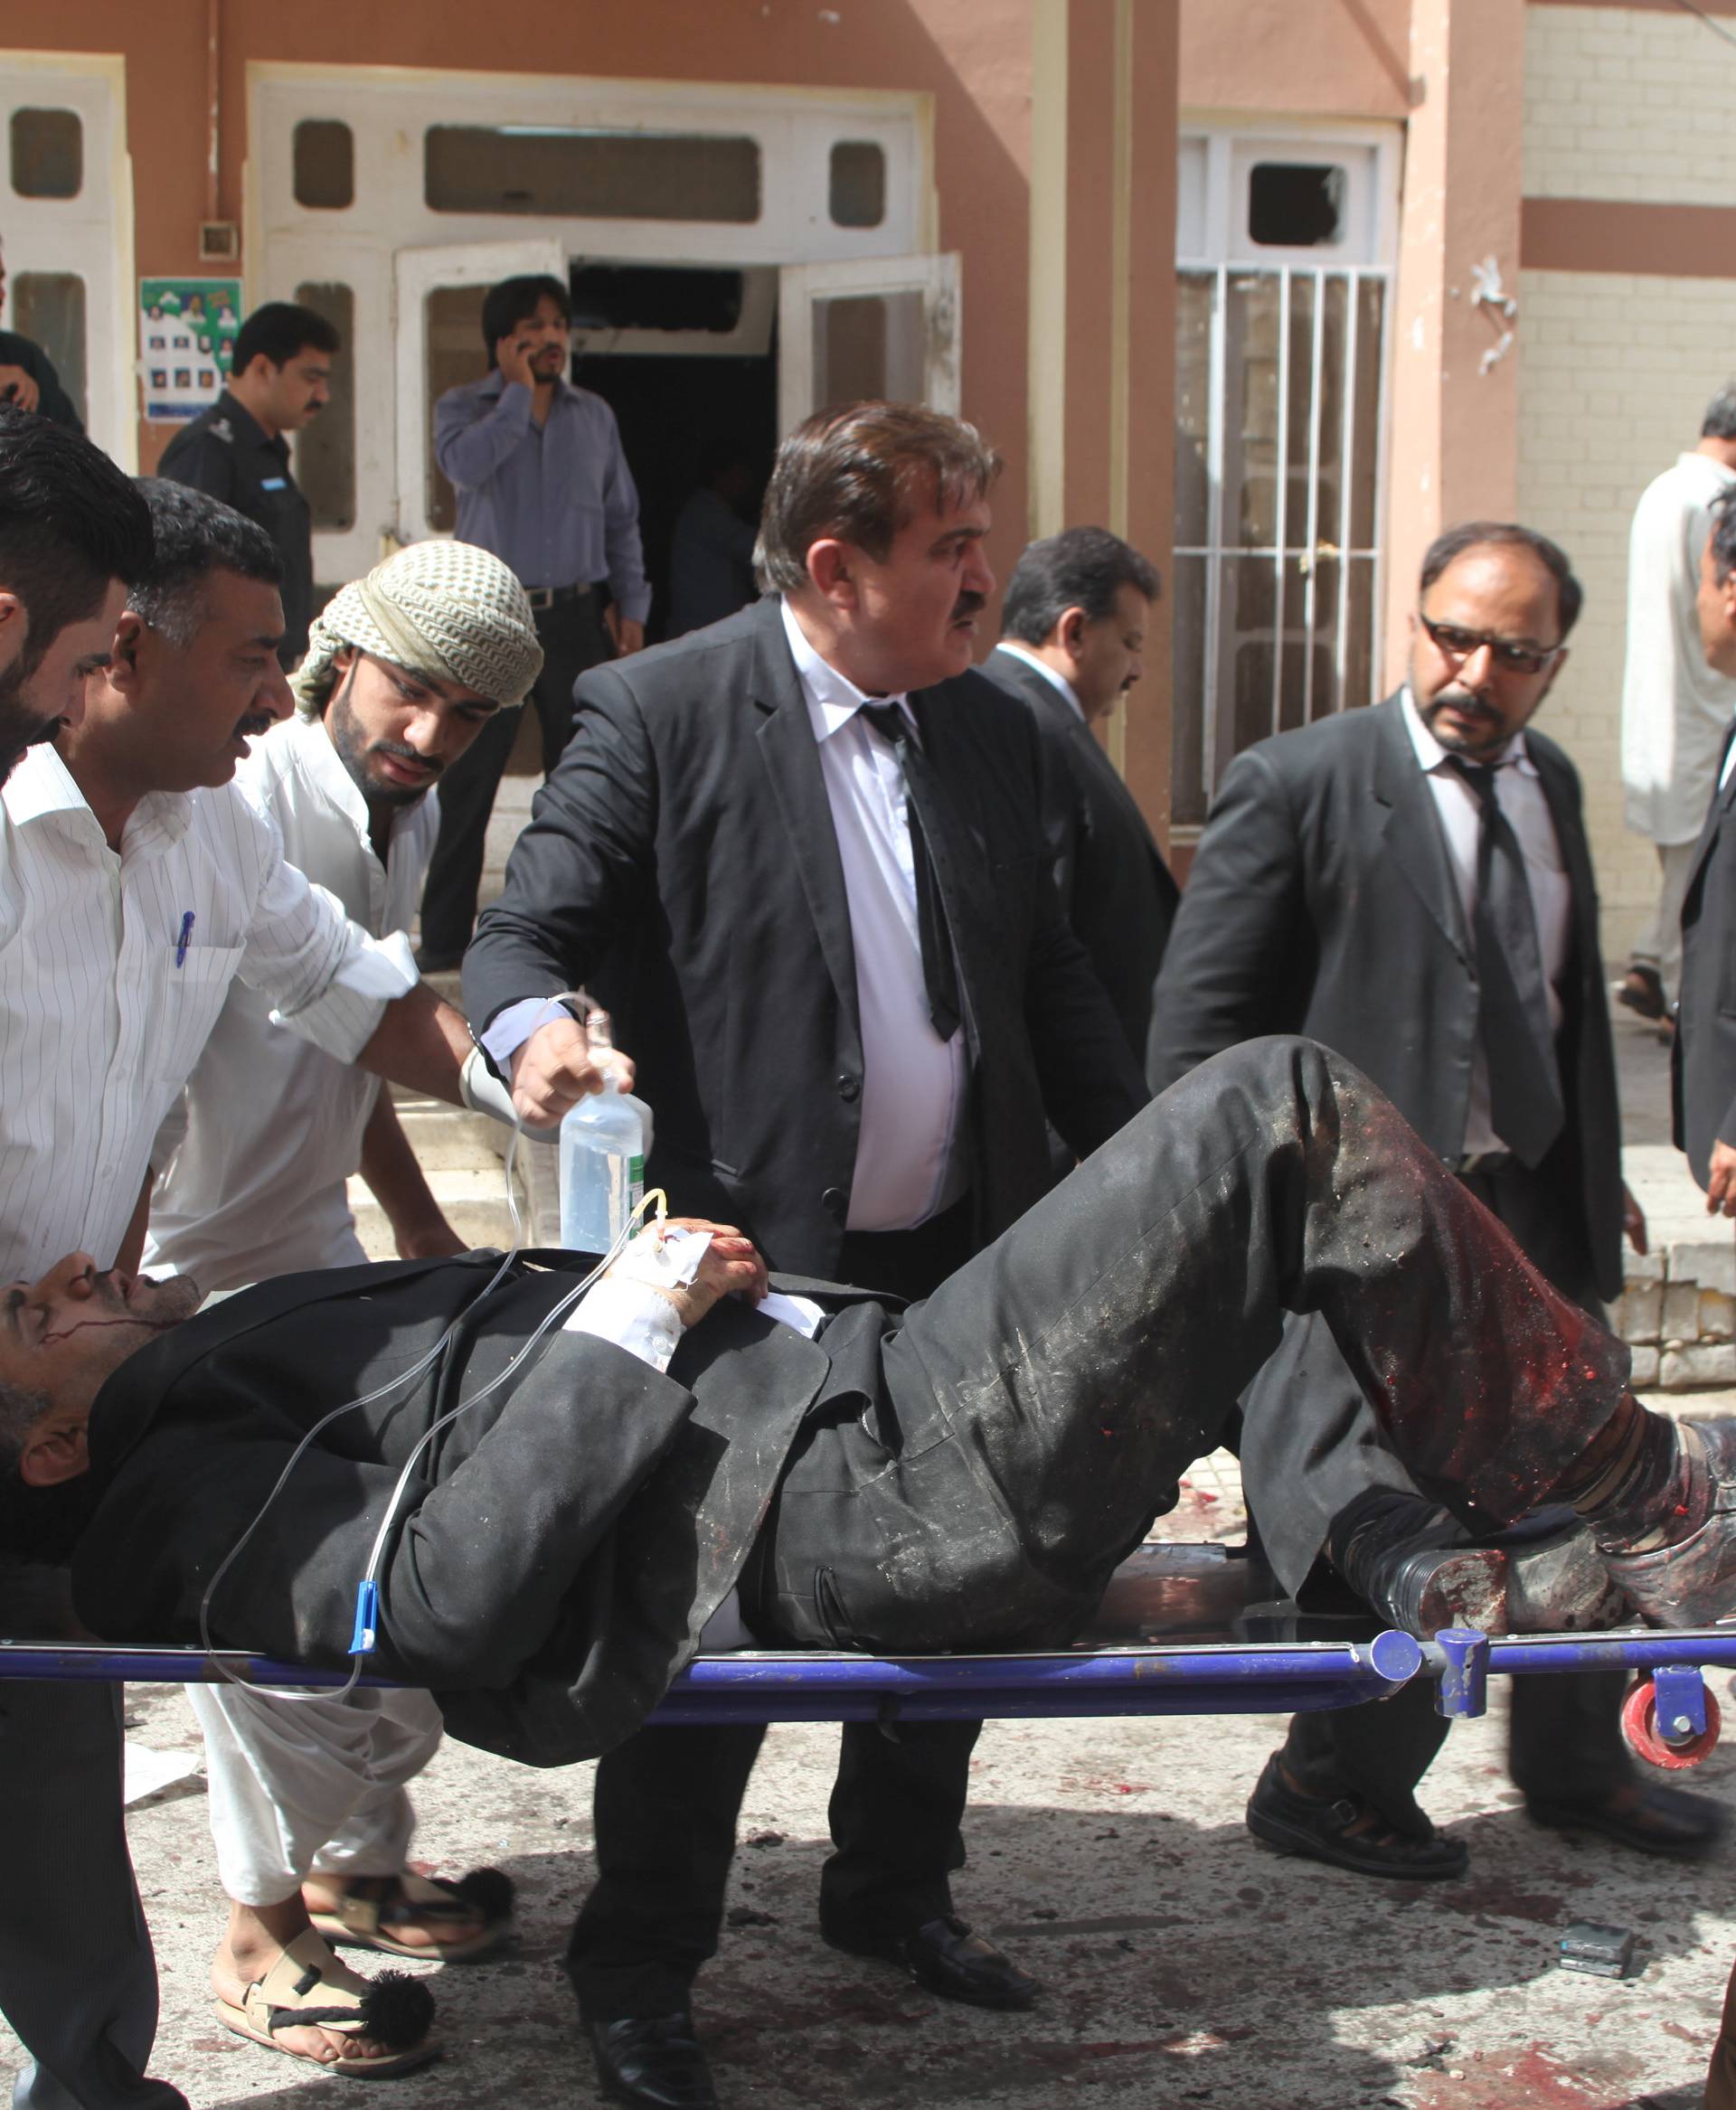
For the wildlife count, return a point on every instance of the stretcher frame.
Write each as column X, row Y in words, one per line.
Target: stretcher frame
column 763, row 1685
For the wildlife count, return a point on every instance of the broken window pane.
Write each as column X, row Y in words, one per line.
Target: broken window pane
column 858, row 183
column 47, row 154
column 325, row 164
column 582, row 172
column 1296, row 205
column 48, row 307
column 325, row 448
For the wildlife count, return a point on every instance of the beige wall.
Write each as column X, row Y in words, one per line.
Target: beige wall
column 1628, row 325
column 1296, row 58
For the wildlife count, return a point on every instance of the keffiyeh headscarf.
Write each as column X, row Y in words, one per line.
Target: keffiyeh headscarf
column 446, row 610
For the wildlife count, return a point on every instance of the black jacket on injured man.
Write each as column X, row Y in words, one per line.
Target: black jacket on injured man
column 962, row 1474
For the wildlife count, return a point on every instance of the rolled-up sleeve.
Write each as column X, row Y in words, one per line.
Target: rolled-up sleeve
column 326, row 979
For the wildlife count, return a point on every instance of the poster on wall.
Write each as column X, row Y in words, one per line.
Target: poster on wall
column 186, row 341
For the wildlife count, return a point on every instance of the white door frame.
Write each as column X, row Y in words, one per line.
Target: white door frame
column 802, row 288
column 417, row 273
column 91, row 234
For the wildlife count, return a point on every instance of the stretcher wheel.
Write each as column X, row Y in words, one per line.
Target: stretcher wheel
column 1639, row 1726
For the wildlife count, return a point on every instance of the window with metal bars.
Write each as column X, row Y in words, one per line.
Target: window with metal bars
column 1279, row 401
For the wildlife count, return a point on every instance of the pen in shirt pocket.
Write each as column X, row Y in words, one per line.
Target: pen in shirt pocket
column 185, row 938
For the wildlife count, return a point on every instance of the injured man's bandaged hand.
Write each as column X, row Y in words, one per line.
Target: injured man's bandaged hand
column 633, row 1306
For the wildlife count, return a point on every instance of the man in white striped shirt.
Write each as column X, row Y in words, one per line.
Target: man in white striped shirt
column 78, row 1982
column 137, row 883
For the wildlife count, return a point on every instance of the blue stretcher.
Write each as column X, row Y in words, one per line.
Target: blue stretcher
column 1190, row 1591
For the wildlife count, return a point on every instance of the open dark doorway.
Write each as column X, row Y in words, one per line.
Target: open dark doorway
column 680, row 418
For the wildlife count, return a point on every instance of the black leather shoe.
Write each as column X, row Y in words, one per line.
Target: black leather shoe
column 1650, row 1817
column 652, row 2062
column 1411, row 1562
column 1347, row 1832
column 944, row 1956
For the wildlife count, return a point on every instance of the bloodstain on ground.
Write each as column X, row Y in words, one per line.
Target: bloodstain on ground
column 1527, row 2079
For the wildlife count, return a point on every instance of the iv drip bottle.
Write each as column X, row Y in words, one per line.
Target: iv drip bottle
column 602, row 1158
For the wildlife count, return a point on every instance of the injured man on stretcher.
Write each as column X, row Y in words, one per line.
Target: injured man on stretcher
column 961, row 1475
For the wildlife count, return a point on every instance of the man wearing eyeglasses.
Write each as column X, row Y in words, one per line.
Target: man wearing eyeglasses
column 1411, row 885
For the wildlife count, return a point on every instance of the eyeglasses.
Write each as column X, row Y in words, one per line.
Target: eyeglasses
column 1513, row 659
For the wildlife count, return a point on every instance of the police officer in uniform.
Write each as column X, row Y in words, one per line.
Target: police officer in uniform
column 236, row 450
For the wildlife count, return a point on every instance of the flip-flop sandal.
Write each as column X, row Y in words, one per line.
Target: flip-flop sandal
column 308, row 1985
column 371, row 1906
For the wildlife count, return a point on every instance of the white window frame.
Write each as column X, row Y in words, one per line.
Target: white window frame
column 90, row 235
column 805, row 287
column 1211, row 238
column 389, row 109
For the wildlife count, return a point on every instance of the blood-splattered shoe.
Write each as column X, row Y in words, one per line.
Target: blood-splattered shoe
column 1692, row 1583
column 1419, row 1568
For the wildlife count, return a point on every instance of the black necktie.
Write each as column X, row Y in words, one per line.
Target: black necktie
column 1512, row 1004
column 928, row 845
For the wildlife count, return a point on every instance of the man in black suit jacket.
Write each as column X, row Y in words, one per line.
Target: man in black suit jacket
column 1336, row 893
column 831, row 940
column 1703, row 1058
column 1072, row 645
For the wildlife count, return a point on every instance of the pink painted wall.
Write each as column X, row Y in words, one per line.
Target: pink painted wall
column 1296, row 58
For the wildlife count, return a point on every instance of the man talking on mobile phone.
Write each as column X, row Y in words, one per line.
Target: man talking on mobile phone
column 543, row 483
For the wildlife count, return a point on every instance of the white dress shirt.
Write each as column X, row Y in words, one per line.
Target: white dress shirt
column 1057, row 681
column 909, row 1160
column 1519, row 793
column 252, row 1162
column 102, row 1013
column 1675, row 708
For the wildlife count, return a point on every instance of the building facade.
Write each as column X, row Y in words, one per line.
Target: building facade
column 1276, row 287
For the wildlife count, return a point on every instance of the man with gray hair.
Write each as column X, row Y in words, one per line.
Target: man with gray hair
column 1675, row 708
column 310, row 1811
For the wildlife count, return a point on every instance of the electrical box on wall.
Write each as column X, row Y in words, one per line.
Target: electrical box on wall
column 219, row 242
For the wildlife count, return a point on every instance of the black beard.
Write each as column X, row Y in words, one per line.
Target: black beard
column 19, row 728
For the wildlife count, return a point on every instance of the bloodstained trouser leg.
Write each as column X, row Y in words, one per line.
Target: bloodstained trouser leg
column 1049, row 1394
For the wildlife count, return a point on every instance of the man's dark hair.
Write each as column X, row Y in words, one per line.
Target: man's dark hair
column 195, row 534
column 1508, row 535
column 280, row 329
column 516, row 301
column 1080, row 568
column 858, row 473
column 1720, row 420
column 71, row 522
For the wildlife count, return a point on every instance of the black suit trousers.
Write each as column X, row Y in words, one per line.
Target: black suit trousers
column 573, row 638
column 668, row 1800
column 1564, row 1734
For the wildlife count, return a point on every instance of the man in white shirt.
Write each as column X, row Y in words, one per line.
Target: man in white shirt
column 137, row 885
column 404, row 668
column 1675, row 707
column 78, row 1981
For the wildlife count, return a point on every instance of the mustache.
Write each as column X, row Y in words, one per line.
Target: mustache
column 1462, row 700
column 427, row 763
column 969, row 603
column 256, row 721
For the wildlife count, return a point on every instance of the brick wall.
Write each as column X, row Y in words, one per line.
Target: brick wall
column 1615, row 371
column 1628, row 102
